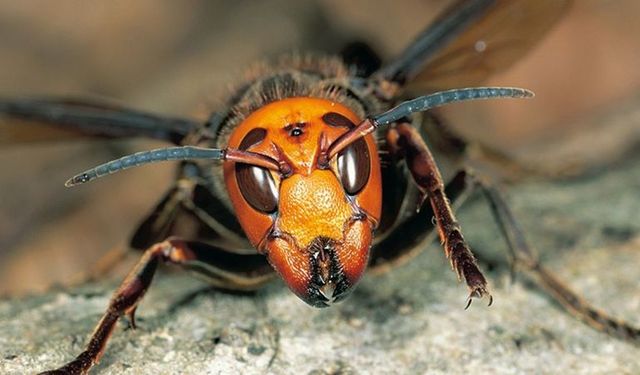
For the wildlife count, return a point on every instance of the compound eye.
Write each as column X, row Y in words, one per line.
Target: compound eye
column 354, row 166
column 257, row 187
column 256, row 183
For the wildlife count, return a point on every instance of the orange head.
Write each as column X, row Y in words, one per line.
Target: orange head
column 314, row 221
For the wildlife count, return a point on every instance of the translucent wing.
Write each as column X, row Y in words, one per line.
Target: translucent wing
column 32, row 120
column 472, row 40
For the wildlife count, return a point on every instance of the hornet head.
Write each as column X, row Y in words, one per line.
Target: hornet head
column 313, row 219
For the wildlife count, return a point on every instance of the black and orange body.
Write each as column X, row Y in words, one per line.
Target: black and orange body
column 316, row 168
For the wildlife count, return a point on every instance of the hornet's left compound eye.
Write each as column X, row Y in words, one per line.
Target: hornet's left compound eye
column 257, row 187
column 256, row 183
column 354, row 166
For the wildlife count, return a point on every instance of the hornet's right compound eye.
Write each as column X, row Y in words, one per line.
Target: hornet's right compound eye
column 354, row 166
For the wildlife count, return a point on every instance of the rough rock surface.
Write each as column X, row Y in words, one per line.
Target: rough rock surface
column 408, row 321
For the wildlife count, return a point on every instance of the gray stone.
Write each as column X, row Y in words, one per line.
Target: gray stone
column 408, row 321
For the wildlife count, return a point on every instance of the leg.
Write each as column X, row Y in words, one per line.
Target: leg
column 525, row 257
column 176, row 215
column 188, row 210
column 126, row 299
column 184, row 212
column 427, row 176
column 223, row 268
column 406, row 239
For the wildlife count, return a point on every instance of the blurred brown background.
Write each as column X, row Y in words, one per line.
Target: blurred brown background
column 180, row 57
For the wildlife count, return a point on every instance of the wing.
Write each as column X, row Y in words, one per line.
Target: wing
column 472, row 40
column 32, row 120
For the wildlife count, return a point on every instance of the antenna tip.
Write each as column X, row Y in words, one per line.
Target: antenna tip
column 77, row 180
column 529, row 93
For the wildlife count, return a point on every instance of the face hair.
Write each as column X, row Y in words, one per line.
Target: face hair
column 419, row 104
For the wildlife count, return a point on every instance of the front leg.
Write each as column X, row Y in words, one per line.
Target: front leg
column 407, row 141
column 125, row 300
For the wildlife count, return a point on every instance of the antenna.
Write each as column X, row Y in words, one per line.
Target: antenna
column 421, row 104
column 172, row 153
